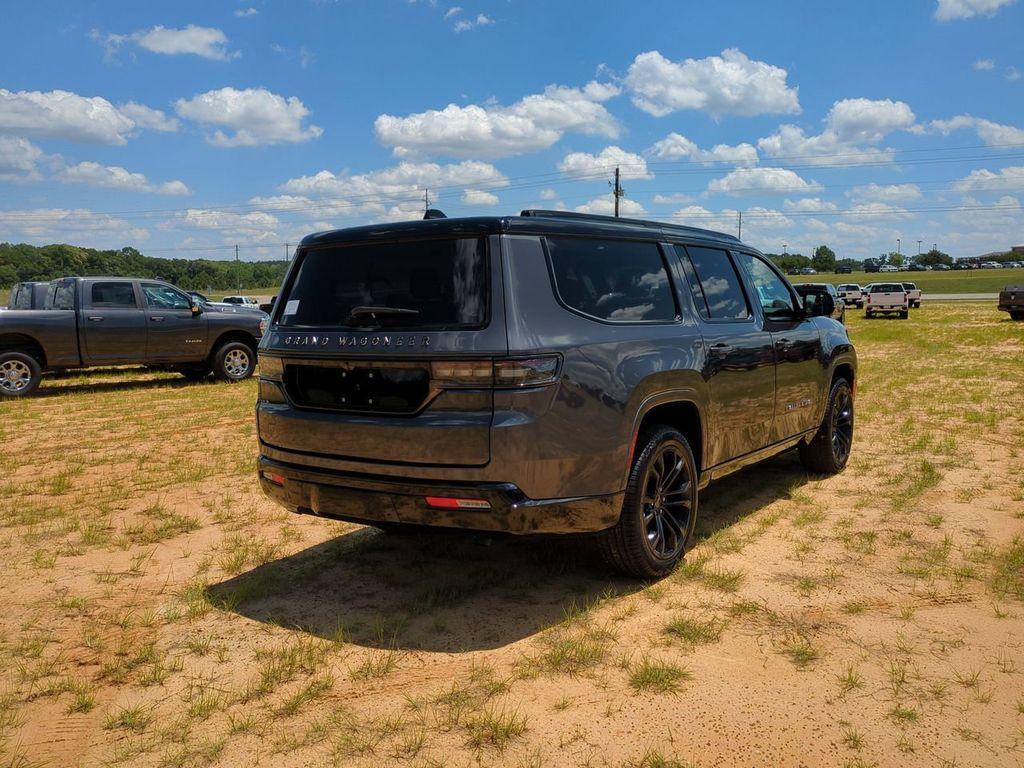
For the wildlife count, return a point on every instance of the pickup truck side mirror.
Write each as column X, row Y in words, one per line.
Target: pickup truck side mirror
column 819, row 303
column 197, row 308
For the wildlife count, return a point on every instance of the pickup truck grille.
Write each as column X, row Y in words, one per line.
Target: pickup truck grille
column 364, row 389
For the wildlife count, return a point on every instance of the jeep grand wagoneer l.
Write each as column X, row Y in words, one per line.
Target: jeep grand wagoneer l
column 542, row 373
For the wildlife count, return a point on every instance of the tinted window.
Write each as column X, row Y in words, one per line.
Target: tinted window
column 164, row 297
column 718, row 293
column 612, row 280
column 113, row 295
column 61, row 295
column 430, row 284
column 772, row 293
column 886, row 288
column 22, row 297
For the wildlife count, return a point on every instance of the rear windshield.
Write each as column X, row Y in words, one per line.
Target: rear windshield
column 430, row 285
column 849, row 287
column 887, row 288
column 910, row 286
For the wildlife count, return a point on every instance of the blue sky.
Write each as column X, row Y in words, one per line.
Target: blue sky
column 184, row 128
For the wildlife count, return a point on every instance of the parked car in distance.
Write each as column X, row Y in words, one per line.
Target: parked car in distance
column 28, row 295
column 941, row 267
column 89, row 321
column 811, row 291
column 244, row 301
column 808, row 271
column 851, row 293
column 888, row 268
column 548, row 373
column 917, row 268
column 269, row 306
column 914, row 294
column 1011, row 299
column 887, row 299
column 990, row 265
column 844, row 270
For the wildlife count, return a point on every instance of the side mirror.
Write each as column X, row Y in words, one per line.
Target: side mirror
column 197, row 308
column 819, row 304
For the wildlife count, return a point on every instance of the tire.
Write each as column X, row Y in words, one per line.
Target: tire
column 659, row 510
column 904, row 314
column 829, row 450
column 234, row 361
column 868, row 315
column 860, row 305
column 1015, row 315
column 20, row 374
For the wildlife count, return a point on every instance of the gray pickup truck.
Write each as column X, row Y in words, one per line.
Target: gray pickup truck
column 90, row 321
column 1011, row 299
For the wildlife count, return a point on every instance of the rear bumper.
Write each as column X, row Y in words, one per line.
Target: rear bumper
column 372, row 498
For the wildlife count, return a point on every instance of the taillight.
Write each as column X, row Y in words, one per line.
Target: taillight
column 448, row 502
column 273, row 477
column 525, row 372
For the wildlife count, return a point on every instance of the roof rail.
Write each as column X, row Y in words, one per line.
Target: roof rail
column 547, row 214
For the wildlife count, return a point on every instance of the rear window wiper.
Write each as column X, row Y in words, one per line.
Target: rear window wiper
column 378, row 314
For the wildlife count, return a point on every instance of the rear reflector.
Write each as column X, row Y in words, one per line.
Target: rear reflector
column 447, row 502
column 273, row 477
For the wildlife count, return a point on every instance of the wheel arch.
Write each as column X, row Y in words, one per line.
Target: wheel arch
column 234, row 334
column 21, row 342
column 680, row 410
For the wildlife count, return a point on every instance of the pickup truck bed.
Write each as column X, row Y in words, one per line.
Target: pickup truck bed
column 887, row 299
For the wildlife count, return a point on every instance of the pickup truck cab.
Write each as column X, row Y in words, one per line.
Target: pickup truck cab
column 1011, row 299
column 887, row 299
column 851, row 293
column 913, row 294
column 90, row 321
column 28, row 295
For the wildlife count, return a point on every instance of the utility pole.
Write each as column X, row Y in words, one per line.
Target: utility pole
column 618, row 191
column 898, row 242
column 918, row 247
column 286, row 257
column 426, row 200
column 238, row 270
column 739, row 225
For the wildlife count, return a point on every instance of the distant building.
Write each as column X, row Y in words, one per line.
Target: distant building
column 1017, row 249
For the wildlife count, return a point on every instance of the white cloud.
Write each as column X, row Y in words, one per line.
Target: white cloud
column 757, row 221
column 205, row 42
column 748, row 181
column 885, row 193
column 808, row 205
column 984, row 180
column 950, row 10
column 852, row 128
column 1013, row 74
column 983, row 64
column 605, row 206
column 115, row 177
column 479, row 197
column 65, row 115
column 548, row 194
column 455, row 10
column 730, row 84
column 464, row 25
column 255, row 226
column 533, row 123
column 18, row 158
column 989, row 132
column 149, row 118
column 672, row 199
column 676, row 146
column 62, row 225
column 245, row 12
column 878, row 211
column 631, row 165
column 256, row 116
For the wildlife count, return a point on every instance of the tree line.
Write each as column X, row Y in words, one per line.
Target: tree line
column 21, row 262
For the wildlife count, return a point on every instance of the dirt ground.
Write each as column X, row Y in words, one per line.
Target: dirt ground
column 159, row 611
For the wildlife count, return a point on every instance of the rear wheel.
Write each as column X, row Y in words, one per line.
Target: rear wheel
column 1017, row 315
column 829, row 450
column 904, row 314
column 234, row 361
column 20, row 374
column 659, row 511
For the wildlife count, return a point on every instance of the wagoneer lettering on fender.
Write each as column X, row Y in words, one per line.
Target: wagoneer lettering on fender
column 548, row 373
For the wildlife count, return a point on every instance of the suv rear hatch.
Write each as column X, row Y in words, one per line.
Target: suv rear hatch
column 385, row 352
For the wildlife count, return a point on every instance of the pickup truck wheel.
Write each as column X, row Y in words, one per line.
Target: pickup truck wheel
column 1017, row 315
column 234, row 361
column 20, row 374
column 829, row 451
column 659, row 510
column 904, row 314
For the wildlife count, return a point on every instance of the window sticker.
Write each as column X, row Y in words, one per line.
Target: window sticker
column 291, row 307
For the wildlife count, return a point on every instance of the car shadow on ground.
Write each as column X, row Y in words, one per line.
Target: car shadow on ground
column 60, row 385
column 452, row 591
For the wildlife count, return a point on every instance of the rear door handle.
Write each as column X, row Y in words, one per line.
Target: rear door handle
column 95, row 319
column 157, row 318
column 722, row 348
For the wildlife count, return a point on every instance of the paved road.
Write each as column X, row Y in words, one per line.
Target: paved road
column 960, row 296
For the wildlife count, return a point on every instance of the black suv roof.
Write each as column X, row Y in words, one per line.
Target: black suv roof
column 531, row 221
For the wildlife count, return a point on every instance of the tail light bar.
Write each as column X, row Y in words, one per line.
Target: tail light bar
column 447, row 502
column 512, row 372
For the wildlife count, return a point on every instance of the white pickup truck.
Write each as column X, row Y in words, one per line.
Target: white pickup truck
column 887, row 299
column 913, row 295
column 851, row 293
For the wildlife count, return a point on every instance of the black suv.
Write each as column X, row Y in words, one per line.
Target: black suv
column 542, row 373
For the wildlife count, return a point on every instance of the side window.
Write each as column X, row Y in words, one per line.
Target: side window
column 164, row 297
column 61, row 295
column 772, row 292
column 22, row 297
column 612, row 280
column 717, row 290
column 112, row 296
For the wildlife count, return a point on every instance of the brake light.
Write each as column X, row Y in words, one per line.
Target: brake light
column 450, row 502
column 526, row 372
column 273, row 477
column 476, row 372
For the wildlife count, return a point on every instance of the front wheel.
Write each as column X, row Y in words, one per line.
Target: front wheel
column 904, row 314
column 20, row 374
column 659, row 511
column 1017, row 315
column 234, row 361
column 829, row 450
